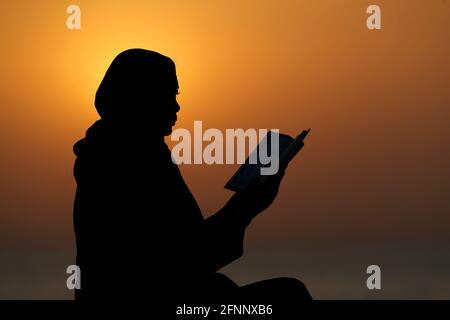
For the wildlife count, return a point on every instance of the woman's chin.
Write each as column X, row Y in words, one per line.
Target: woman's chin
column 167, row 131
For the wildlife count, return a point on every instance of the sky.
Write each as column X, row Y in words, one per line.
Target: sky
column 371, row 184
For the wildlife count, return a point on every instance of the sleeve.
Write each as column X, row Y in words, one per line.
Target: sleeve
column 207, row 245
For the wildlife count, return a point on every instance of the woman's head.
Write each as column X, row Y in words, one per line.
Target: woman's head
column 140, row 87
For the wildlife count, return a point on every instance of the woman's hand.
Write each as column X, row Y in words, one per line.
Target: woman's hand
column 258, row 197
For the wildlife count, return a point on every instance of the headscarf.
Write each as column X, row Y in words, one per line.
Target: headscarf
column 133, row 79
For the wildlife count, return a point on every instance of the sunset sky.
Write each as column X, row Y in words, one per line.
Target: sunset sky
column 374, row 172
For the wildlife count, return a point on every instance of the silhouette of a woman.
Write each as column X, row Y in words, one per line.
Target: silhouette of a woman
column 139, row 231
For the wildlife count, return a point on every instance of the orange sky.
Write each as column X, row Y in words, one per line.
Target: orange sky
column 375, row 166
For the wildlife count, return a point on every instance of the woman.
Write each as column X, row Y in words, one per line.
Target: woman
column 139, row 230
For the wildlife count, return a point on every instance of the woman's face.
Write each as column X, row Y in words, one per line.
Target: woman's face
column 165, row 107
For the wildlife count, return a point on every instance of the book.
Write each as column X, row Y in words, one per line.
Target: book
column 249, row 173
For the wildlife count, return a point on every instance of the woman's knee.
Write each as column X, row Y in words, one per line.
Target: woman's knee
column 293, row 287
column 278, row 288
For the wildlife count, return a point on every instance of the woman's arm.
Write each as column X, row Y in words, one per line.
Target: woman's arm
column 222, row 235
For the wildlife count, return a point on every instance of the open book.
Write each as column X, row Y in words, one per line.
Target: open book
column 253, row 171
